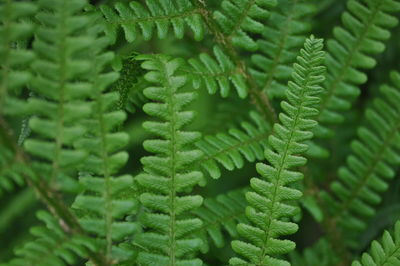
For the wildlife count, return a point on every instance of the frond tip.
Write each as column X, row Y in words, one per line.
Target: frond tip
column 166, row 178
column 269, row 208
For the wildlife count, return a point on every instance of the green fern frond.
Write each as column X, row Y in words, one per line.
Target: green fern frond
column 383, row 253
column 102, row 201
column 371, row 164
column 281, row 40
column 240, row 18
column 52, row 245
column 219, row 74
column 166, row 178
column 153, row 15
column 62, row 87
column 233, row 148
column 269, row 202
column 14, row 28
column 221, row 213
column 365, row 28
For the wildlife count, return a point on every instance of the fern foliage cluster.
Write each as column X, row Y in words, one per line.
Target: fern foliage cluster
column 199, row 132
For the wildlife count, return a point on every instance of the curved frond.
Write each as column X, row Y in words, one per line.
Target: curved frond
column 166, row 178
column 383, row 253
column 233, row 148
column 374, row 154
column 366, row 25
column 270, row 199
column 239, row 18
column 136, row 18
column 283, row 36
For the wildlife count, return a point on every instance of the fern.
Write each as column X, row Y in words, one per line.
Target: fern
column 239, row 18
column 269, row 206
column 366, row 26
column 103, row 200
column 281, row 39
column 154, row 14
column 52, row 246
column 385, row 253
column 62, row 85
column 374, row 154
column 221, row 212
column 217, row 74
column 233, row 148
column 165, row 177
column 78, row 77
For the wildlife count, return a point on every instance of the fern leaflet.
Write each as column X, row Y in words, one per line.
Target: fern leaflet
column 385, row 253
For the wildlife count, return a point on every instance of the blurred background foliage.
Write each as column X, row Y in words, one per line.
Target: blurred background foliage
column 215, row 114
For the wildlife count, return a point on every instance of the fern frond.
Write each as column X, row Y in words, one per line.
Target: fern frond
column 166, row 178
column 154, row 15
column 219, row 74
column 52, row 245
column 102, row 201
column 62, row 87
column 269, row 202
column 221, row 213
column 383, row 253
column 365, row 28
column 238, row 18
column 231, row 149
column 371, row 164
column 281, row 40
column 13, row 28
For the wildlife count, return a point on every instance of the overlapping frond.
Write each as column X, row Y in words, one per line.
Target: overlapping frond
column 240, row 18
column 233, row 148
column 61, row 82
column 138, row 19
column 375, row 153
column 218, row 73
column 366, row 25
column 103, row 203
column 383, row 253
column 221, row 213
column 269, row 201
column 52, row 246
column 284, row 35
column 167, row 177
column 14, row 59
